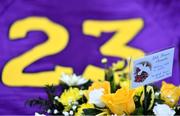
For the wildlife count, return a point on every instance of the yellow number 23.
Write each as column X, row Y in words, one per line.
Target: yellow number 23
column 58, row 37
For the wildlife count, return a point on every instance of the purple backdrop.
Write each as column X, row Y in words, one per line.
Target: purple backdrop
column 161, row 30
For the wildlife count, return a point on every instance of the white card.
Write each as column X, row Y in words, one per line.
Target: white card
column 152, row 68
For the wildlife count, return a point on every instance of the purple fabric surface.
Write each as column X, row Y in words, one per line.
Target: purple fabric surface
column 161, row 30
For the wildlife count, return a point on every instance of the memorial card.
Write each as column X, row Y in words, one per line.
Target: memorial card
column 152, row 68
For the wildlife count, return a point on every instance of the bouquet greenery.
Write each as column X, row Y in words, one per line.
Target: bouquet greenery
column 113, row 96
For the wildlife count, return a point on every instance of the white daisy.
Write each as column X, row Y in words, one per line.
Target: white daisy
column 72, row 80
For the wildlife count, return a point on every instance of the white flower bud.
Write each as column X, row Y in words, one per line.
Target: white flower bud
column 56, row 97
column 71, row 112
column 48, row 111
column 56, row 111
column 65, row 113
column 104, row 60
column 74, row 107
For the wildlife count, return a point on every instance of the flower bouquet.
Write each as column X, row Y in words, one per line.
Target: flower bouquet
column 113, row 96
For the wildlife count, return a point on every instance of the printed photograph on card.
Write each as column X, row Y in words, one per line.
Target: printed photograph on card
column 152, row 68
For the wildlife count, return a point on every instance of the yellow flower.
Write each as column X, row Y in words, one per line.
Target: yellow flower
column 170, row 93
column 121, row 102
column 83, row 106
column 70, row 95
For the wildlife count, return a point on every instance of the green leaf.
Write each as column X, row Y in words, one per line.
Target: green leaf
column 86, row 85
column 138, row 111
column 91, row 111
column 109, row 76
column 82, row 100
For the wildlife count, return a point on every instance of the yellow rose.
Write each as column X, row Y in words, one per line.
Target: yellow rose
column 121, row 102
column 170, row 93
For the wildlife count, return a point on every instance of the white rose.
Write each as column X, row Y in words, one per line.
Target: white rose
column 163, row 110
column 95, row 97
column 72, row 80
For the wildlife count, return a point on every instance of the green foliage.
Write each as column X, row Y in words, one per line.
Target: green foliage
column 47, row 104
column 82, row 100
column 42, row 103
column 91, row 111
column 138, row 111
column 109, row 76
